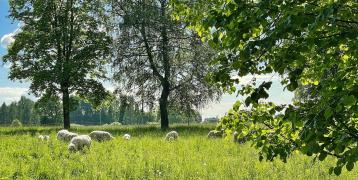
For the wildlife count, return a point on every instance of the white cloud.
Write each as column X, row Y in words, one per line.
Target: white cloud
column 7, row 40
column 219, row 109
column 263, row 77
column 10, row 94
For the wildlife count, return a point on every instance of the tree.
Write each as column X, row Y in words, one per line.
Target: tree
column 61, row 48
column 13, row 111
column 21, row 110
column 123, row 106
column 25, row 107
column 156, row 58
column 307, row 42
column 48, row 110
column 4, row 119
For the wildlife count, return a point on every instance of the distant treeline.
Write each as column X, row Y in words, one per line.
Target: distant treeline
column 49, row 112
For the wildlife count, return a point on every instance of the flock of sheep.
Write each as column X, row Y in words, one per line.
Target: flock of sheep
column 79, row 142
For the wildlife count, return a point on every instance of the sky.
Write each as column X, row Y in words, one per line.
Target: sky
column 9, row 90
column 13, row 90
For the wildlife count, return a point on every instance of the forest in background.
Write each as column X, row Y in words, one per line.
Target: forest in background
column 126, row 112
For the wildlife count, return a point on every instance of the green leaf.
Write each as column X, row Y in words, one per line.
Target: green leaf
column 350, row 166
column 236, row 106
column 339, row 108
column 349, row 100
column 328, row 113
column 261, row 158
column 322, row 156
column 314, row 147
column 330, row 171
column 337, row 170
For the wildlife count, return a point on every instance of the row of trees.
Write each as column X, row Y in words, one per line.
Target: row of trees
column 21, row 110
column 49, row 112
column 66, row 47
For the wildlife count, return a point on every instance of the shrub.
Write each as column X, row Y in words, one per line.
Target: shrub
column 115, row 124
column 16, row 123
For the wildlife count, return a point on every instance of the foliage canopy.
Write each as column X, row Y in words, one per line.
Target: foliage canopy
column 307, row 43
column 61, row 48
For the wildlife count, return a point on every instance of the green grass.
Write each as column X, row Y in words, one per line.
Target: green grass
column 147, row 156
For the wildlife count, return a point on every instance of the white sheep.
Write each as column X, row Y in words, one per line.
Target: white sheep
column 127, row 137
column 65, row 135
column 215, row 134
column 78, row 143
column 101, row 135
column 235, row 136
column 172, row 136
column 44, row 137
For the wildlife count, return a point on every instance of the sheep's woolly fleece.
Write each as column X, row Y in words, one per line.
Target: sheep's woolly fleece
column 215, row 134
column 65, row 135
column 235, row 136
column 78, row 143
column 126, row 136
column 101, row 136
column 44, row 137
column 171, row 136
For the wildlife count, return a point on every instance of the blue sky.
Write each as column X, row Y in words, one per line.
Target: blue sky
column 9, row 90
column 12, row 90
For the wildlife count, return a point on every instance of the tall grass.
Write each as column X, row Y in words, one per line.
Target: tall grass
column 147, row 156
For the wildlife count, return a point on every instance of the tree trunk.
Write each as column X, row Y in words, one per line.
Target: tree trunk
column 67, row 49
column 166, row 65
column 123, row 107
column 121, row 115
column 66, row 108
column 163, row 105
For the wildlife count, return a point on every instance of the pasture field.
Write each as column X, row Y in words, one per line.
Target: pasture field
column 147, row 156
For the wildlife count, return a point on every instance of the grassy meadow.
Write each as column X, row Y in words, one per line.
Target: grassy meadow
column 147, row 156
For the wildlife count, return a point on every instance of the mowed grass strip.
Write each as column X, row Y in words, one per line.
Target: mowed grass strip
column 148, row 156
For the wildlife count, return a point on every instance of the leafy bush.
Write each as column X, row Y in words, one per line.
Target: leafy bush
column 16, row 123
column 115, row 124
column 312, row 45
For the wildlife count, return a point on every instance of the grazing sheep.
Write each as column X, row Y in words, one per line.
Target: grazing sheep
column 44, row 137
column 79, row 142
column 127, row 137
column 234, row 136
column 171, row 136
column 215, row 134
column 101, row 136
column 65, row 135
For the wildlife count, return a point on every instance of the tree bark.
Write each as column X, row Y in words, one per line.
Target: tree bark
column 163, row 105
column 121, row 115
column 67, row 50
column 163, row 102
column 66, row 108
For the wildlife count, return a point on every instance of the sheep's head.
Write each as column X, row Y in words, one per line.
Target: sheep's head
column 72, row 147
column 126, row 137
column 47, row 137
column 41, row 137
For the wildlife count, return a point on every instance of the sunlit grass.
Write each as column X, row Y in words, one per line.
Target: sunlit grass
column 147, row 156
